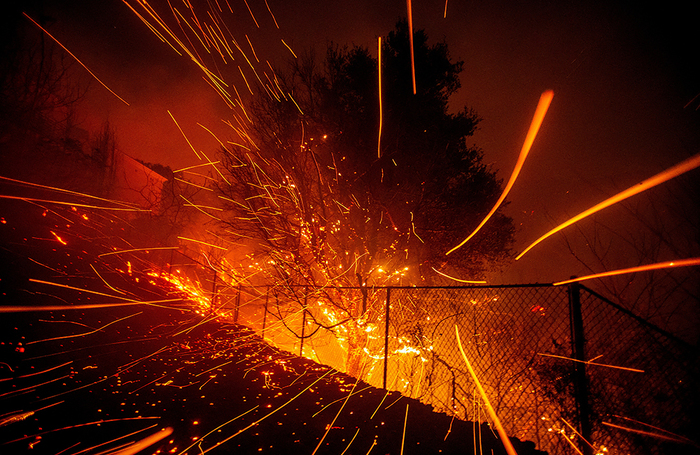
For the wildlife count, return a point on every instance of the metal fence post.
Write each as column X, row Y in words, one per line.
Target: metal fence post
column 303, row 321
column 580, row 380
column 386, row 335
column 363, row 289
column 238, row 305
column 267, row 298
column 213, row 292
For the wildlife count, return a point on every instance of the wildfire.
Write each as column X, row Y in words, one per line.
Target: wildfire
column 316, row 299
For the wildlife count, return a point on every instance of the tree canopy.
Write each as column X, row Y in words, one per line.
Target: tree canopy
column 309, row 187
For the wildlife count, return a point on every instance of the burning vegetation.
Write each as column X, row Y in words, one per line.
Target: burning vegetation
column 320, row 258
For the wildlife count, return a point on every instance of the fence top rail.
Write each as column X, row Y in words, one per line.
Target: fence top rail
column 476, row 286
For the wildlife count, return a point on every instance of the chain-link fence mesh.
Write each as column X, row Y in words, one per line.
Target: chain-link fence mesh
column 641, row 381
column 507, row 334
column 644, row 399
column 504, row 331
column 519, row 341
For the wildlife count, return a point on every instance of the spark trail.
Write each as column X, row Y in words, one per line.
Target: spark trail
column 642, row 268
column 670, row 173
column 492, row 413
column 540, row 112
column 76, row 58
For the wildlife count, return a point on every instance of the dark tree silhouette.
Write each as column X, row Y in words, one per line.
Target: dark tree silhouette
column 322, row 205
column 40, row 91
column 316, row 192
column 38, row 87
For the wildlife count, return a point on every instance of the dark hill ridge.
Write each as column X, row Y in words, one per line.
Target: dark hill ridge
column 195, row 383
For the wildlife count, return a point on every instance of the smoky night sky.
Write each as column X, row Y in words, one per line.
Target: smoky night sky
column 623, row 105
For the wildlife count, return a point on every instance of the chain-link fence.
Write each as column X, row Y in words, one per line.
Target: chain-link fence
column 503, row 331
column 552, row 374
column 637, row 393
column 645, row 399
